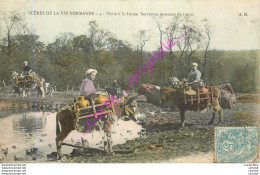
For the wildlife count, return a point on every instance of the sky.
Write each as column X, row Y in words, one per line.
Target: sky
column 229, row 31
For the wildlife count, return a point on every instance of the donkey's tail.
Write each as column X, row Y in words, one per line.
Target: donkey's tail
column 57, row 126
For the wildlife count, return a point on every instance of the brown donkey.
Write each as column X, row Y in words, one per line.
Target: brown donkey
column 176, row 98
column 66, row 121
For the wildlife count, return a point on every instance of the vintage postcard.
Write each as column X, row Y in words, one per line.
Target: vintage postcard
column 123, row 81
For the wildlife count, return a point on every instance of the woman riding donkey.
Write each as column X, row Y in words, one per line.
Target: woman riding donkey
column 87, row 87
column 194, row 76
column 66, row 118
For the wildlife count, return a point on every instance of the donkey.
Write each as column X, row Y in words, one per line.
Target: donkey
column 26, row 87
column 66, row 118
column 176, row 97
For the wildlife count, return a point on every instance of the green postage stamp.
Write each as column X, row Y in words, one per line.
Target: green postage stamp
column 236, row 144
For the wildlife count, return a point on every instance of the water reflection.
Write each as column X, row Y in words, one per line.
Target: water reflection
column 24, row 130
column 30, row 122
column 34, row 130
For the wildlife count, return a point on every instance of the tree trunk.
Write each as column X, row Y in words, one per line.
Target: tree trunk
column 8, row 43
column 141, row 63
column 205, row 60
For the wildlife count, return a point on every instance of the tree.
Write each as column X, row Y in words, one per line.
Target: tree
column 160, row 28
column 10, row 20
column 170, row 32
column 189, row 44
column 207, row 32
column 142, row 37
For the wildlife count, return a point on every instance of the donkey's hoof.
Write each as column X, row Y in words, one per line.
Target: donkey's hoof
column 62, row 158
column 113, row 154
column 109, row 151
column 106, row 150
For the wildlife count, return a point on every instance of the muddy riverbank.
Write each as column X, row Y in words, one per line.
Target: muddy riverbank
column 29, row 135
column 163, row 140
column 9, row 101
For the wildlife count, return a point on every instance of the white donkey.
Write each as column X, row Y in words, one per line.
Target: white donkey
column 48, row 89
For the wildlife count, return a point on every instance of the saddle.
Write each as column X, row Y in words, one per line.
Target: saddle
column 27, row 79
column 88, row 108
column 199, row 95
column 189, row 91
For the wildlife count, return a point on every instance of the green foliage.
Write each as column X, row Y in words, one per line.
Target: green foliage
column 65, row 61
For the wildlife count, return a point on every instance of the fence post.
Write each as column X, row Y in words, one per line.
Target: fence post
column 68, row 87
column 4, row 83
column 55, row 89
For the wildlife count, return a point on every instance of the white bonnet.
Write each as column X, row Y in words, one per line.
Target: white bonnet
column 195, row 64
column 89, row 71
